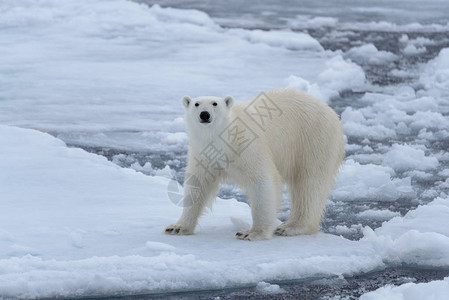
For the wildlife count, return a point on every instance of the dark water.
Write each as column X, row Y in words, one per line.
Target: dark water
column 314, row 288
column 338, row 213
column 275, row 13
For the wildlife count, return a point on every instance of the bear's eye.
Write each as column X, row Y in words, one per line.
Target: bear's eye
column 215, row 104
column 197, row 104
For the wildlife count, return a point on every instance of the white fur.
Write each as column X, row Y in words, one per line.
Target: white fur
column 301, row 145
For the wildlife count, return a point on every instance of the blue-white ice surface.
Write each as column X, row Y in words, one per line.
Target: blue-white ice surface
column 108, row 76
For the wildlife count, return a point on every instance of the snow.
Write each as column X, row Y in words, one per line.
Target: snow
column 383, row 214
column 302, row 84
column 342, row 229
column 187, row 16
column 419, row 175
column 74, row 224
column 117, row 81
column 418, row 238
column 339, row 75
column 435, row 290
column 435, row 75
column 320, row 22
column 305, row 22
column 277, row 38
column 266, row 288
column 419, row 41
column 444, row 173
column 405, row 157
column 420, row 218
column 401, row 73
column 364, row 182
column 401, row 110
column 354, row 125
column 370, row 54
column 413, row 50
column 391, row 27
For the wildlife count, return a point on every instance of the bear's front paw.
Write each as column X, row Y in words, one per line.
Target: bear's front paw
column 251, row 235
column 177, row 229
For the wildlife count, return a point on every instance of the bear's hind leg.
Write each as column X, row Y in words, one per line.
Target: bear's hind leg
column 308, row 197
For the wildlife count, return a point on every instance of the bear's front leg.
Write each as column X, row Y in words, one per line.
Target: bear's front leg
column 263, row 196
column 196, row 196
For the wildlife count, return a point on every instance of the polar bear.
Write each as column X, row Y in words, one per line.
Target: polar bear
column 282, row 137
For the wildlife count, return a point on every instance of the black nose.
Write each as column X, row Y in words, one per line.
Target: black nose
column 204, row 115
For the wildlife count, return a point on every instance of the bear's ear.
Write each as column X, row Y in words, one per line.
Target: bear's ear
column 186, row 101
column 229, row 101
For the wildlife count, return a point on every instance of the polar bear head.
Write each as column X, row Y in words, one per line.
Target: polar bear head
column 207, row 113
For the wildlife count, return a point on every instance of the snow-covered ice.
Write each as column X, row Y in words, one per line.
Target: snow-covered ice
column 364, row 182
column 413, row 50
column 109, row 73
column 404, row 157
column 339, row 75
column 382, row 214
column 435, row 290
column 266, row 288
column 370, row 54
column 74, row 224
column 418, row 238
